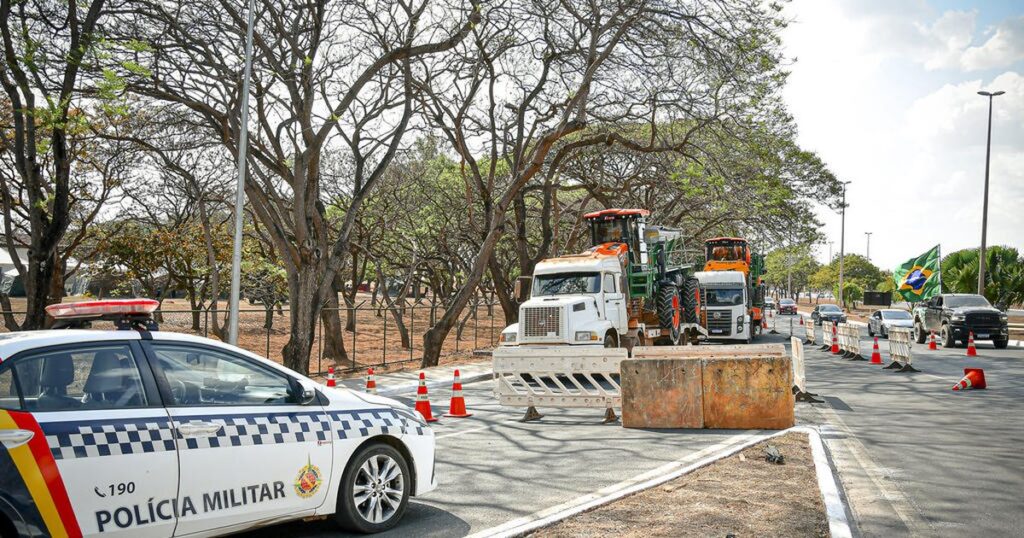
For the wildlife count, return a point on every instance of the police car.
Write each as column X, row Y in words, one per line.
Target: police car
column 136, row 432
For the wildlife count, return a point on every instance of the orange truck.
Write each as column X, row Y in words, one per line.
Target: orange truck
column 734, row 254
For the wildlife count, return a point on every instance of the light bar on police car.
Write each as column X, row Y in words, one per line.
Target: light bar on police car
column 91, row 309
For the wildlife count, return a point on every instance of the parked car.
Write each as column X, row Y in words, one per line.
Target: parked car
column 954, row 316
column 882, row 320
column 145, row 433
column 828, row 312
column 787, row 306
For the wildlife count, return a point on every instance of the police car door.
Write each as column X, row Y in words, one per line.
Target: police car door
column 247, row 453
column 97, row 453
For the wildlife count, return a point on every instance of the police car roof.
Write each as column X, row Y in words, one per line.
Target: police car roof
column 16, row 342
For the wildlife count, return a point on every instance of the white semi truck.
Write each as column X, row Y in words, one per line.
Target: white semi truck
column 725, row 305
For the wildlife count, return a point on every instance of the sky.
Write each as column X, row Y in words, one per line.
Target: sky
column 886, row 93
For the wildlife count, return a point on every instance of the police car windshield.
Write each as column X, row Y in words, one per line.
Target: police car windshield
column 566, row 284
column 953, row 301
column 896, row 314
column 725, row 297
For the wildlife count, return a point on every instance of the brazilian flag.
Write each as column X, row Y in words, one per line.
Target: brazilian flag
column 920, row 278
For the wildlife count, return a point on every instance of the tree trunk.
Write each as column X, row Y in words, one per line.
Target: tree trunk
column 305, row 305
column 509, row 305
column 41, row 267
column 9, row 322
column 333, row 336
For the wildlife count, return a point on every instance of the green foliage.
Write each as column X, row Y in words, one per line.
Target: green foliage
column 797, row 261
column 1004, row 274
column 852, row 292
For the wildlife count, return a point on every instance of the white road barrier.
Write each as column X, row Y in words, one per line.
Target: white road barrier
column 809, row 328
column 849, row 341
column 799, row 373
column 900, row 339
column 827, row 330
column 558, row 376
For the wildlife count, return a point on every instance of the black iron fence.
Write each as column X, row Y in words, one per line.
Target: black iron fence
column 370, row 334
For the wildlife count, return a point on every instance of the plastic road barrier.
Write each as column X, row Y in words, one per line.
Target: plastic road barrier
column 850, row 341
column 799, row 374
column 809, row 328
column 899, row 350
column 558, row 376
column 826, row 336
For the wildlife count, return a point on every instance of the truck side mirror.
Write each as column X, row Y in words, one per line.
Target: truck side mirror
column 522, row 288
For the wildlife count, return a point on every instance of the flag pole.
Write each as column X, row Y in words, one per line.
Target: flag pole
column 940, row 267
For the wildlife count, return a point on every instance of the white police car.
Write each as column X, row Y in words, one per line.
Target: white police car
column 136, row 432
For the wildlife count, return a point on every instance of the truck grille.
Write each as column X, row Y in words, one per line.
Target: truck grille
column 721, row 326
column 542, row 320
column 983, row 319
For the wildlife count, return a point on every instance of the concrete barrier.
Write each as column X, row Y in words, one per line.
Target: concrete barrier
column 662, row 393
column 748, row 392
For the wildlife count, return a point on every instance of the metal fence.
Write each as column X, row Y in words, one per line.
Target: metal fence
column 374, row 341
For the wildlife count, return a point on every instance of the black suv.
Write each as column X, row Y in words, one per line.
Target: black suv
column 954, row 315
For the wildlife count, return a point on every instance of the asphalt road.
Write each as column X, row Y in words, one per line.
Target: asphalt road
column 493, row 469
column 915, row 457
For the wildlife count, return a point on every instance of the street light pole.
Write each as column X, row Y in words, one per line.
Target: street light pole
column 869, row 244
column 842, row 247
column 830, row 251
column 243, row 145
column 984, row 211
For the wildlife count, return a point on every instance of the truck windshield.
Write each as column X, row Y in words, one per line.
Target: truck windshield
column 724, row 297
column 566, row 284
column 953, row 301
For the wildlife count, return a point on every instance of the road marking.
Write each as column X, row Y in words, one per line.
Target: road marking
column 664, row 473
column 904, row 508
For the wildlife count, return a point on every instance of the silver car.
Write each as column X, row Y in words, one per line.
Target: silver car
column 882, row 320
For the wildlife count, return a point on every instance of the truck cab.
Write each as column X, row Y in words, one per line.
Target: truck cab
column 725, row 305
column 574, row 300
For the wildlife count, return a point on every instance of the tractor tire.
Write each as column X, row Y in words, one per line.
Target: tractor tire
column 691, row 300
column 669, row 315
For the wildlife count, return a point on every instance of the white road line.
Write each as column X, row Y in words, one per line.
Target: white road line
column 904, row 508
column 616, row 491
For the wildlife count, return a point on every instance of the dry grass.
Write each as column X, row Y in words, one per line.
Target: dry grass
column 742, row 495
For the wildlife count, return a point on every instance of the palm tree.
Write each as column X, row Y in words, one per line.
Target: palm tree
column 1004, row 275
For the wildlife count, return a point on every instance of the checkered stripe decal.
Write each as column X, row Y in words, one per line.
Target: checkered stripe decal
column 252, row 430
column 355, row 424
column 70, row 440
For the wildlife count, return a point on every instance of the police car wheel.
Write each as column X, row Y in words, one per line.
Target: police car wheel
column 374, row 490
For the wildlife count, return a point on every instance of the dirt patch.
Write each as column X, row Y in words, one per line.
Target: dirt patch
column 742, row 495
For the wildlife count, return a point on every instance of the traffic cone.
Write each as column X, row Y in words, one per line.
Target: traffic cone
column 974, row 378
column 330, row 377
column 931, row 342
column 457, row 407
column 835, row 342
column 971, row 350
column 801, row 320
column 764, row 323
column 876, row 357
column 422, row 402
column 371, row 382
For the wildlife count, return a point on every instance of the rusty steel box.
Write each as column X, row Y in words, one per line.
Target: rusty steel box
column 752, row 392
column 661, row 393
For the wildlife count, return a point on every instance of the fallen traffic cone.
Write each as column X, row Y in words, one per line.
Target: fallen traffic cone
column 835, row 342
column 330, row 377
column 931, row 342
column 422, row 402
column 971, row 350
column 974, row 378
column 457, row 407
column 371, row 382
column 876, row 357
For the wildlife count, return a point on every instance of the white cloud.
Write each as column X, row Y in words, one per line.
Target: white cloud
column 869, row 96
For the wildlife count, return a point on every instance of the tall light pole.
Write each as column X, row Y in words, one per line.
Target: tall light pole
column 830, row 251
column 984, row 210
column 869, row 244
column 243, row 146
column 842, row 246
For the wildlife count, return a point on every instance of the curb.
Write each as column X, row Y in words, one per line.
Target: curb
column 835, row 505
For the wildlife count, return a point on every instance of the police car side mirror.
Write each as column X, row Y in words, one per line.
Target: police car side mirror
column 302, row 392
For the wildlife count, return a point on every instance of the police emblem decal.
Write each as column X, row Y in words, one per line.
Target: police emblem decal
column 308, row 481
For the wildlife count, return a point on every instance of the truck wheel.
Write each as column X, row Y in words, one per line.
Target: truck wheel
column 947, row 337
column 1001, row 344
column 691, row 300
column 609, row 340
column 669, row 310
column 919, row 333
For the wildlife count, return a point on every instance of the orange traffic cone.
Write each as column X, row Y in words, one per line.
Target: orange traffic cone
column 971, row 350
column 330, row 377
column 457, row 408
column 371, row 382
column 801, row 320
column 764, row 323
column 876, row 357
column 974, row 378
column 931, row 342
column 835, row 342
column 422, row 402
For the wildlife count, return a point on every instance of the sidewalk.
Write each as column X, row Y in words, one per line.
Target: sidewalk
column 406, row 381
